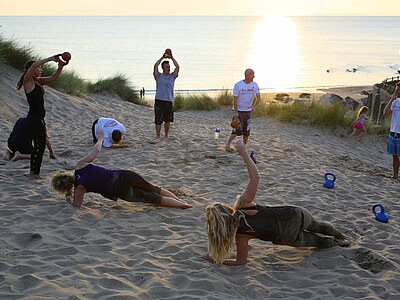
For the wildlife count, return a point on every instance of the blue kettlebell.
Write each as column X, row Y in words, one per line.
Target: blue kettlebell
column 381, row 216
column 329, row 183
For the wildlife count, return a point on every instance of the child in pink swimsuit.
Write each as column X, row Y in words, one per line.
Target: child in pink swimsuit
column 358, row 124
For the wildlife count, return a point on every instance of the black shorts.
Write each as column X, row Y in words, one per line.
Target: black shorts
column 134, row 188
column 94, row 131
column 244, row 127
column 163, row 111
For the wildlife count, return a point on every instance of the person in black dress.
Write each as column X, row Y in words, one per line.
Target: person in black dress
column 33, row 82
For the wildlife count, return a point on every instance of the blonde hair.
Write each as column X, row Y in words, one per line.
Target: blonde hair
column 62, row 182
column 362, row 110
column 222, row 223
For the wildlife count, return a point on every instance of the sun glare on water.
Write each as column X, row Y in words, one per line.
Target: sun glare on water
column 274, row 53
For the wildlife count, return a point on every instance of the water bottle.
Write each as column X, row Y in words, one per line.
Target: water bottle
column 216, row 133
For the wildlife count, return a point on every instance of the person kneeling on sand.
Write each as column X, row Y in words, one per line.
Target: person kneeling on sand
column 111, row 129
column 283, row 225
column 112, row 184
column 19, row 144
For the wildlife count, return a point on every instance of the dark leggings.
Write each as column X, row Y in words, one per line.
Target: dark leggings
column 94, row 131
column 308, row 236
column 134, row 188
column 38, row 136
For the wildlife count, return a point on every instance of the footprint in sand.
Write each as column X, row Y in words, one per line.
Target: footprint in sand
column 65, row 153
column 370, row 261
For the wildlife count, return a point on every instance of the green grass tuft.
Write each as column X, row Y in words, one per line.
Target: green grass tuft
column 225, row 98
column 311, row 113
column 69, row 81
column 15, row 55
column 119, row 85
column 194, row 102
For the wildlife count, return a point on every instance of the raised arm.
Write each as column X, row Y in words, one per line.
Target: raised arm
column 92, row 155
column 54, row 77
column 254, row 177
column 388, row 111
column 28, row 80
column 176, row 71
column 29, row 73
column 155, row 69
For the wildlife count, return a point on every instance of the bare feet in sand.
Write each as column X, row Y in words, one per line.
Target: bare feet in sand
column 7, row 155
column 16, row 156
column 344, row 241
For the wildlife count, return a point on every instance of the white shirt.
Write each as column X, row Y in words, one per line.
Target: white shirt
column 395, row 123
column 245, row 93
column 107, row 126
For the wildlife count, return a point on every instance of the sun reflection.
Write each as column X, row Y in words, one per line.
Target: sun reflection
column 274, row 53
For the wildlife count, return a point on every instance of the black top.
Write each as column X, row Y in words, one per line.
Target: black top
column 268, row 223
column 36, row 103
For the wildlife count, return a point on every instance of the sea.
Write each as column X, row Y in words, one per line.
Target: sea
column 286, row 53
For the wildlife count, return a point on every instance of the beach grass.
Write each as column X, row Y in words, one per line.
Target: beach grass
column 69, row 81
column 16, row 55
column 225, row 98
column 194, row 102
column 118, row 85
column 308, row 113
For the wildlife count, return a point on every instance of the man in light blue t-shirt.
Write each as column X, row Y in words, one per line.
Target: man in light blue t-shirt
column 163, row 104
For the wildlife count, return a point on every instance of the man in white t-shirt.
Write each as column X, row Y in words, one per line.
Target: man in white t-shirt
column 393, row 146
column 112, row 130
column 243, row 104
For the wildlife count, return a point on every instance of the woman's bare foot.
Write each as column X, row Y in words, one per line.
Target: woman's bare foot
column 394, row 177
column 7, row 155
column 52, row 156
column 17, row 156
column 343, row 241
column 186, row 205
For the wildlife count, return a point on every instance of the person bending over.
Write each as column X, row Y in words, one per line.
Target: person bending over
column 111, row 184
column 19, row 144
column 112, row 131
column 282, row 225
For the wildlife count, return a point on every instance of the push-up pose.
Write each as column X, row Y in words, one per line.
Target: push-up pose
column 284, row 225
column 112, row 184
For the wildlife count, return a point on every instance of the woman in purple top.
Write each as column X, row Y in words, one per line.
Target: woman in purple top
column 112, row 184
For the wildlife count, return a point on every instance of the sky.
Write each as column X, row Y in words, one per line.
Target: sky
column 199, row 7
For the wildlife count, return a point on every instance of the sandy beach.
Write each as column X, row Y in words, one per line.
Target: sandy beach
column 121, row 250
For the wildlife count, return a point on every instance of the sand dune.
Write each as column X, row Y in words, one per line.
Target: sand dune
column 120, row 250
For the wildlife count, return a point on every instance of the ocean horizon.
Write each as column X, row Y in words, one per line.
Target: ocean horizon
column 287, row 53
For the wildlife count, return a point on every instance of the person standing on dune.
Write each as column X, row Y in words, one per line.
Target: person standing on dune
column 33, row 83
column 243, row 104
column 393, row 146
column 163, row 105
